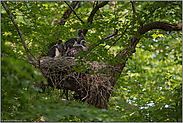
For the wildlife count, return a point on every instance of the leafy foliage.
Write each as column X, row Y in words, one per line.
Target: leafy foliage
column 152, row 90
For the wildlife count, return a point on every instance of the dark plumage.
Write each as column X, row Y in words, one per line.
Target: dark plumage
column 74, row 41
column 57, row 50
column 75, row 50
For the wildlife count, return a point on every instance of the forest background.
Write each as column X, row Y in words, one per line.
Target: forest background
column 148, row 89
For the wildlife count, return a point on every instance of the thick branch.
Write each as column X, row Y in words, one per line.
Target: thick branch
column 18, row 30
column 154, row 25
column 68, row 12
column 75, row 13
column 160, row 25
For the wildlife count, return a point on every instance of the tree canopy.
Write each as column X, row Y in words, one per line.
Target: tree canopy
column 143, row 39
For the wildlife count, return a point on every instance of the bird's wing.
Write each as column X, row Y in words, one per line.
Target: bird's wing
column 51, row 52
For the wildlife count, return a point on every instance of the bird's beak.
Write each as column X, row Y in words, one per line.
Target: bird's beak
column 85, row 45
column 67, row 49
column 83, row 35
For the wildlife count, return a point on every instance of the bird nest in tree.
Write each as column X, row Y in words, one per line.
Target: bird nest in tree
column 94, row 88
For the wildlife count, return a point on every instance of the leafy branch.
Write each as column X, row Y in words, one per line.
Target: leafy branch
column 90, row 18
column 68, row 12
column 75, row 13
column 133, row 8
column 125, row 53
column 107, row 37
column 19, row 32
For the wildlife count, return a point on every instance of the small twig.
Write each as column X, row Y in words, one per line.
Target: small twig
column 94, row 17
column 75, row 13
column 154, row 11
column 117, row 39
column 23, row 17
column 67, row 13
column 115, row 33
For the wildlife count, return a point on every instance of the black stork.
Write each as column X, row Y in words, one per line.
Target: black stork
column 75, row 50
column 74, row 41
column 57, row 50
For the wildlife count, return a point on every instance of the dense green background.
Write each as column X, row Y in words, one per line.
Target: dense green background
column 152, row 90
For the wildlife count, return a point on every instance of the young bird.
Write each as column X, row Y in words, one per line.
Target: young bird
column 57, row 50
column 75, row 50
column 74, row 41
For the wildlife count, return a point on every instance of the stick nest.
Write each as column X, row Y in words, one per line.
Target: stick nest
column 94, row 87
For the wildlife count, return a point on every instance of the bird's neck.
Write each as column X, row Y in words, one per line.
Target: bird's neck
column 85, row 48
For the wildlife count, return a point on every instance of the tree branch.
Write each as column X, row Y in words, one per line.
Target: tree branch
column 133, row 8
column 109, row 36
column 94, row 17
column 19, row 32
column 117, row 39
column 154, row 25
column 68, row 12
column 151, row 12
column 160, row 25
column 90, row 19
column 75, row 13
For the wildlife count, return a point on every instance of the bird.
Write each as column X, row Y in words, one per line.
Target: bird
column 57, row 50
column 74, row 41
column 75, row 50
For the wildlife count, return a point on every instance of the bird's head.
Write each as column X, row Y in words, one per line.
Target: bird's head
column 59, row 42
column 80, row 33
column 83, row 43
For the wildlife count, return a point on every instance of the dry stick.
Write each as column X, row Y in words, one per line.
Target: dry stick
column 75, row 13
column 19, row 32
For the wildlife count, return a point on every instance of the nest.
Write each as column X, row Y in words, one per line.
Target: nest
column 94, row 85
